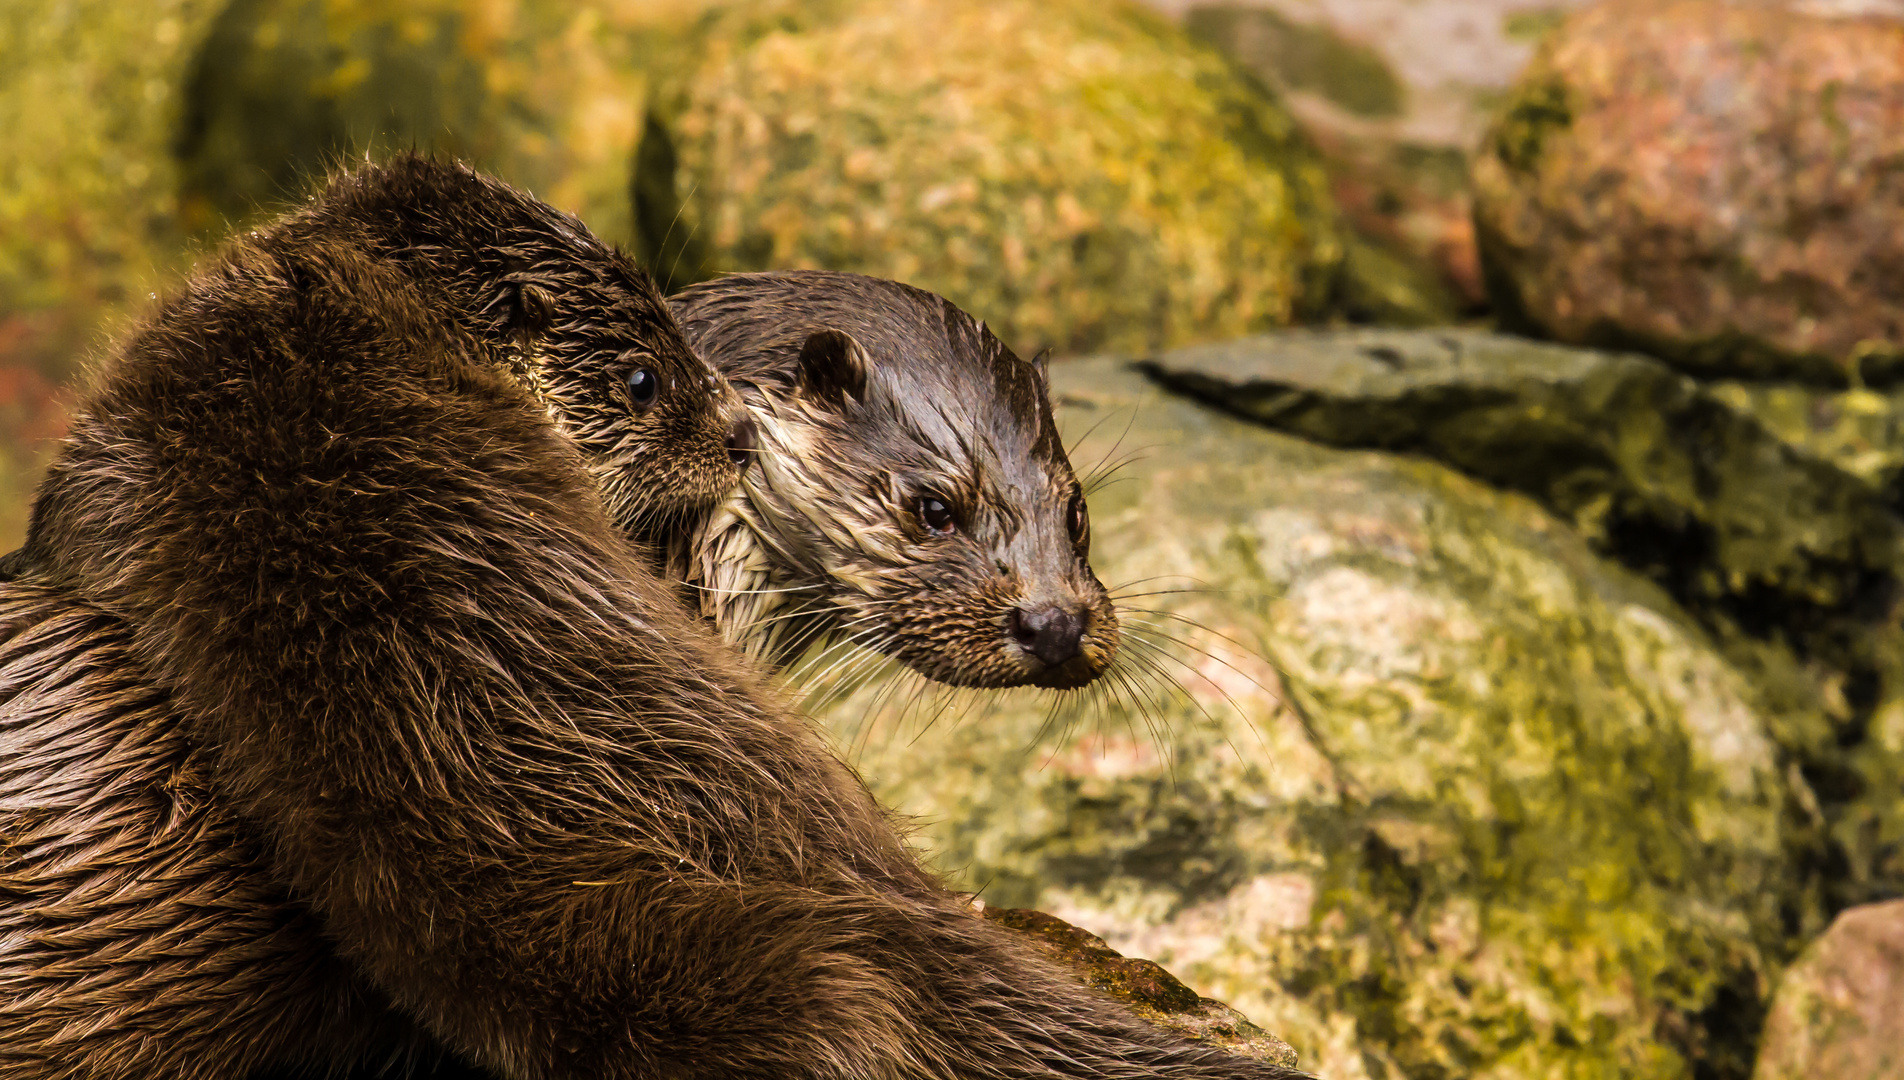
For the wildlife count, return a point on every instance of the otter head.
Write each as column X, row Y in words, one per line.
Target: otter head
column 580, row 325
column 912, row 494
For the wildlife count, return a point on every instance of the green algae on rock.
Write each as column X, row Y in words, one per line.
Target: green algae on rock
column 1505, row 812
column 1078, row 171
column 1791, row 562
column 1860, row 430
column 1629, row 450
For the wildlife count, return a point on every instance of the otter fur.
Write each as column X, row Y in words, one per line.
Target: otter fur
column 337, row 703
column 912, row 494
column 128, row 892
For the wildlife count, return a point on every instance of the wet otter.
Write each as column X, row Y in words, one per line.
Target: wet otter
column 912, row 493
column 331, row 616
column 143, row 898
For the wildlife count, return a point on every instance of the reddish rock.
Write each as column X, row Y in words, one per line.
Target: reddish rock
column 1718, row 183
column 1839, row 1011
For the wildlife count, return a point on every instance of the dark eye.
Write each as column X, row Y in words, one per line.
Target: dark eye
column 937, row 515
column 643, row 387
column 1080, row 522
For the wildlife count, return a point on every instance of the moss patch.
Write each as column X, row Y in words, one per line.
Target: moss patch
column 1079, row 172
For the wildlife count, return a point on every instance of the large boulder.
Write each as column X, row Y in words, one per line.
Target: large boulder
column 1077, row 170
column 1777, row 550
column 1709, row 180
column 1839, row 1012
column 1394, row 763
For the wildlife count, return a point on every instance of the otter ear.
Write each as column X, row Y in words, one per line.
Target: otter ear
column 833, row 368
column 1041, row 367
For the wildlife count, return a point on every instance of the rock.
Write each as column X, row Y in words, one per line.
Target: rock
column 1839, row 1012
column 1149, row 990
column 1444, row 792
column 88, row 101
column 545, row 95
column 1708, row 181
column 1640, row 459
column 1778, row 553
column 1396, row 93
column 1860, row 431
column 1078, row 171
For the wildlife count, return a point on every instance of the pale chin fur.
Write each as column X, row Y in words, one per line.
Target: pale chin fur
column 751, row 568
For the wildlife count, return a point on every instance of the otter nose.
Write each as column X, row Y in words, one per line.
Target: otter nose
column 741, row 442
column 1051, row 634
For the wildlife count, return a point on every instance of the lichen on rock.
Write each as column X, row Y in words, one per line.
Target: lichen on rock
column 1447, row 794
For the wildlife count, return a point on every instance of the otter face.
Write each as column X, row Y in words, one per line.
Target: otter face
column 665, row 435
column 577, row 322
column 912, row 494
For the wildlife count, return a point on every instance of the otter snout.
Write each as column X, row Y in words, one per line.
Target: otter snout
column 742, row 439
column 1052, row 634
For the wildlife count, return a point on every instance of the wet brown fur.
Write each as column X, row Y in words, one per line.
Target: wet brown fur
column 822, row 541
column 336, row 698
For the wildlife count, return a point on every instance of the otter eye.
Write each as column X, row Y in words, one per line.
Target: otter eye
column 1080, row 522
column 643, row 387
column 937, row 515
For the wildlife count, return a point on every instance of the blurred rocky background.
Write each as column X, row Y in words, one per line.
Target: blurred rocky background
column 1494, row 407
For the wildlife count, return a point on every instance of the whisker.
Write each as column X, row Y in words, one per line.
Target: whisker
column 749, row 592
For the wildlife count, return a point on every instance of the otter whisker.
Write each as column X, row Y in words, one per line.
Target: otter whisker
column 748, row 592
column 846, row 645
column 1166, row 592
column 1159, row 630
column 1138, row 628
column 1154, row 577
column 1098, row 470
column 667, row 284
column 861, row 667
column 1158, row 654
column 1147, row 712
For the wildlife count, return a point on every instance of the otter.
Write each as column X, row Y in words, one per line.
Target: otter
column 128, row 890
column 911, row 495
column 344, row 717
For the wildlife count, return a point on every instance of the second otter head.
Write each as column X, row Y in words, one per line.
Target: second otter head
column 912, row 494
column 580, row 325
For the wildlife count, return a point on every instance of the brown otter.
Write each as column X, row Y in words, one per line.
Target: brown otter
column 143, row 899
column 329, row 615
column 912, row 493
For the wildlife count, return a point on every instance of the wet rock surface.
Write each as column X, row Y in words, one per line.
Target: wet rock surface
column 1445, row 793
column 1710, row 181
column 1839, row 1012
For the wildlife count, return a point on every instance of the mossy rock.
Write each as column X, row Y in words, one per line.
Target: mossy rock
column 1447, row 795
column 1078, row 172
column 545, row 95
column 1775, row 548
